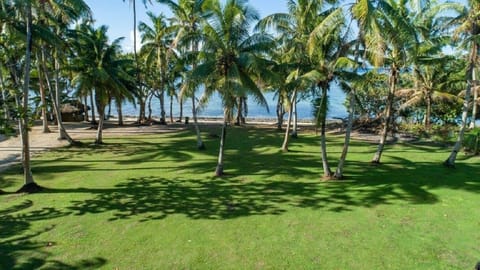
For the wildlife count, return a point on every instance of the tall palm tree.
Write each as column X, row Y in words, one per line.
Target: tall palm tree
column 58, row 15
column 157, row 40
column 388, row 35
column 99, row 67
column 469, row 29
column 231, row 57
column 188, row 17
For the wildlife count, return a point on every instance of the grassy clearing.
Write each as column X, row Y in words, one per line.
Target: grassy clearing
column 151, row 202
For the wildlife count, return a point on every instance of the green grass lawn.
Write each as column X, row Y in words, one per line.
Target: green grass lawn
column 151, row 202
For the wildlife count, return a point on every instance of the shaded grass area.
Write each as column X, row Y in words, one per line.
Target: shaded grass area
column 151, row 202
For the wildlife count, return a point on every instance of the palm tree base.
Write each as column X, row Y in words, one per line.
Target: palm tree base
column 449, row 164
column 30, row 188
column 201, row 146
column 219, row 170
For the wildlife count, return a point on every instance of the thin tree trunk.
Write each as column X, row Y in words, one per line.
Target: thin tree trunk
column 239, row 111
column 162, row 108
column 107, row 115
column 150, row 107
column 428, row 111
column 180, row 117
column 475, row 98
column 388, row 115
column 289, row 121
column 471, row 77
column 63, row 135
column 23, row 121
column 341, row 163
column 85, row 109
column 119, row 111
column 219, row 170
column 92, row 102
column 6, row 113
column 43, row 99
column 101, row 117
column 280, row 112
column 200, row 144
column 171, row 108
column 295, row 120
column 327, row 173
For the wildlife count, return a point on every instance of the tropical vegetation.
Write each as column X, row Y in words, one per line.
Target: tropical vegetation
column 406, row 66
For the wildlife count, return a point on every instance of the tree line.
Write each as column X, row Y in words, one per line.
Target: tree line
column 389, row 57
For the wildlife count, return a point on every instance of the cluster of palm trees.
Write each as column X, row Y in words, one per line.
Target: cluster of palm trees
column 388, row 55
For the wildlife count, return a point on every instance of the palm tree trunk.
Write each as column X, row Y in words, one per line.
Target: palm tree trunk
column 101, row 117
column 200, row 144
column 171, row 108
column 6, row 114
column 327, row 173
column 92, row 102
column 388, row 115
column 85, row 109
column 428, row 111
column 341, row 163
column 149, row 107
column 180, row 117
column 239, row 112
column 23, row 121
column 289, row 121
column 63, row 135
column 475, row 98
column 295, row 120
column 41, row 84
column 219, row 170
column 280, row 112
column 162, row 108
column 471, row 77
column 107, row 115
column 119, row 111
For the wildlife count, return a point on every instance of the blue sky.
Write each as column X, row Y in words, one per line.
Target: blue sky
column 118, row 16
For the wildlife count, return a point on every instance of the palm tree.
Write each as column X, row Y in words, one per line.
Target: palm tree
column 230, row 59
column 157, row 40
column 469, row 29
column 99, row 67
column 188, row 17
column 292, row 30
column 388, row 35
column 58, row 15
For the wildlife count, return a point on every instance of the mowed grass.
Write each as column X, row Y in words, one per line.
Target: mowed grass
column 151, row 202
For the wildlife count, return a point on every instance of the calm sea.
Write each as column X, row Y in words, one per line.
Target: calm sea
column 214, row 107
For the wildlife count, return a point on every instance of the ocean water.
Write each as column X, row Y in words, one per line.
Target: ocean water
column 214, row 108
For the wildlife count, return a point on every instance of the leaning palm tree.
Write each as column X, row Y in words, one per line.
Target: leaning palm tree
column 188, row 17
column 57, row 15
column 230, row 59
column 469, row 29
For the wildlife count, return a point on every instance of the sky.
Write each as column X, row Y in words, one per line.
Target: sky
column 118, row 15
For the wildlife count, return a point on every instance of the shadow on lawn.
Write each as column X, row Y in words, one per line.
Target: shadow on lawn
column 17, row 239
column 261, row 180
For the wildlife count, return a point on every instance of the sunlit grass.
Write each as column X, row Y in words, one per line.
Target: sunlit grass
column 152, row 202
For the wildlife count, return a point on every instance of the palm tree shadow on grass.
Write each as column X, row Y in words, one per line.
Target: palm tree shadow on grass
column 154, row 198
column 17, row 237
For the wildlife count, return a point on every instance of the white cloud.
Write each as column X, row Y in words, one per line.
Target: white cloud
column 128, row 43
